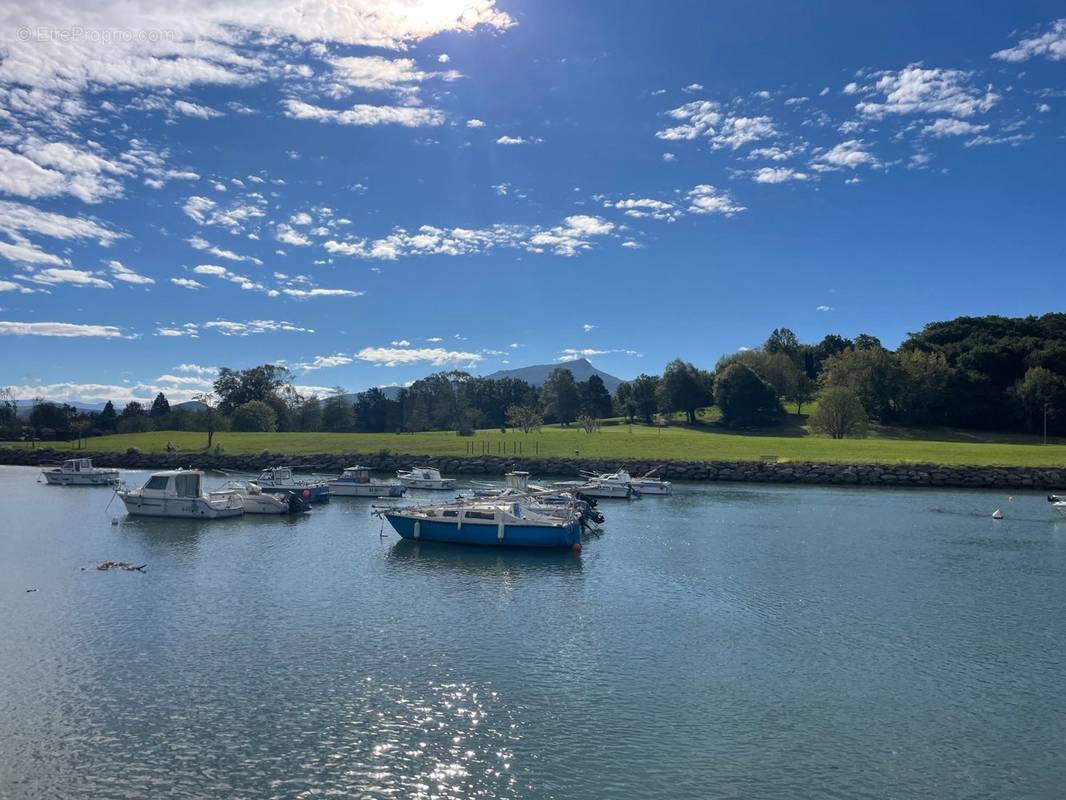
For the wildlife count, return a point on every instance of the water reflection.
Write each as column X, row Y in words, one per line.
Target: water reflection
column 440, row 557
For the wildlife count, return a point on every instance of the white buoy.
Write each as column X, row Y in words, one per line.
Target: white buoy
column 997, row 514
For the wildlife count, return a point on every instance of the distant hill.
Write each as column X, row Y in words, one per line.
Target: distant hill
column 538, row 373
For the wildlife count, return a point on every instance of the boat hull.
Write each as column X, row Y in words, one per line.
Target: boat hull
column 486, row 534
column 344, row 489
column 310, row 494
column 442, row 485
column 652, row 488
column 181, row 507
column 81, row 479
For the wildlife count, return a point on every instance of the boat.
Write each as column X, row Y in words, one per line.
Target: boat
column 356, row 482
column 424, row 478
column 497, row 523
column 645, row 484
column 256, row 501
column 275, row 480
column 1058, row 502
column 180, row 494
column 541, row 499
column 80, row 472
column 595, row 487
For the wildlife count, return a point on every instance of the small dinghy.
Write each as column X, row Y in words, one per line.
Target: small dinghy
column 600, row 489
column 180, row 494
column 280, row 480
column 79, row 472
column 356, row 482
column 424, row 478
column 256, row 501
column 1058, row 502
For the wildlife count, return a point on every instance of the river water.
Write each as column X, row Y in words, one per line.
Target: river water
column 731, row 641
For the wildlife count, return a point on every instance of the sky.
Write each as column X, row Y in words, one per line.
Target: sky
column 368, row 191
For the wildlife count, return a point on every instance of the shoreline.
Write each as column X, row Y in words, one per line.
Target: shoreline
column 801, row 472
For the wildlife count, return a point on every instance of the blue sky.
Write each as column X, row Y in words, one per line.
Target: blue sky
column 371, row 190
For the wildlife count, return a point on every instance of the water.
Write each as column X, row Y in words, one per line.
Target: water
column 728, row 642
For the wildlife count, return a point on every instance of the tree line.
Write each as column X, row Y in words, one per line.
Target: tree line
column 993, row 373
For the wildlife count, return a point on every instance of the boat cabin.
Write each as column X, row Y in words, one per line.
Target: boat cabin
column 356, row 474
column 517, row 480
column 277, row 474
column 175, row 483
column 77, row 465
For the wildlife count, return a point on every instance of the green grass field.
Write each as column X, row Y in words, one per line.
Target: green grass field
column 706, row 442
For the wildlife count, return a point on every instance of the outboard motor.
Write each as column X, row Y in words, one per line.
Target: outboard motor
column 297, row 505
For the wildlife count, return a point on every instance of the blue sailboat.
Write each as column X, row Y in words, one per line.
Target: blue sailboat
column 495, row 524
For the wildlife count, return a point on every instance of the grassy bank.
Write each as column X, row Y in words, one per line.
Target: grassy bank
column 885, row 446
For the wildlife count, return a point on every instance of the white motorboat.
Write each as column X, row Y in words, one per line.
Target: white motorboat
column 281, row 480
column 424, row 478
column 356, row 482
column 645, row 484
column 80, row 472
column 180, row 493
column 594, row 487
column 1058, row 502
column 256, row 501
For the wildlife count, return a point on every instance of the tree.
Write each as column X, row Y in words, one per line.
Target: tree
column 211, row 417
column 865, row 341
column 921, row 398
column 801, row 390
column 51, row 416
column 8, row 413
column 840, row 413
column 782, row 340
column 107, row 419
column 873, row 374
column 372, row 411
column 624, row 404
column 160, row 406
column 560, row 396
column 684, row 388
column 745, row 397
column 133, row 409
column 588, row 423
column 308, row 415
column 595, row 400
column 338, row 415
column 263, row 383
column 255, row 416
column 526, row 418
column 646, row 396
column 1040, row 391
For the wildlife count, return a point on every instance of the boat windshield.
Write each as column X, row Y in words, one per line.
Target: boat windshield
column 157, row 483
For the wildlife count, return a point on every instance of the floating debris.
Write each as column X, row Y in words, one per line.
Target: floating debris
column 31, row 590
column 997, row 514
column 104, row 566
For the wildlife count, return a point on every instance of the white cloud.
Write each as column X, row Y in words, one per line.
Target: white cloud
column 706, row 118
column 375, row 73
column 668, row 157
column 194, row 110
column 56, row 276
column 362, row 114
column 1051, row 44
column 588, row 327
column 301, row 218
column 706, row 199
column 444, row 58
column 324, row 362
column 645, row 207
column 287, row 235
column 824, row 308
column 200, row 243
column 16, row 219
column 60, row 329
column 11, row 286
column 196, row 369
column 395, row 356
column 187, row 283
column 693, row 87
column 917, row 90
column 573, row 353
column 513, row 140
column 55, row 168
column 305, row 293
column 777, row 175
column 849, row 154
column 946, row 126
column 475, row 123
column 255, row 326
column 127, row 275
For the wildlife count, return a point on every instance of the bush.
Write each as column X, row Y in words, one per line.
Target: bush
column 133, row 451
column 745, row 397
column 840, row 413
column 255, row 416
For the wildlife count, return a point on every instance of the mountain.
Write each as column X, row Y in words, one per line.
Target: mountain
column 538, row 373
